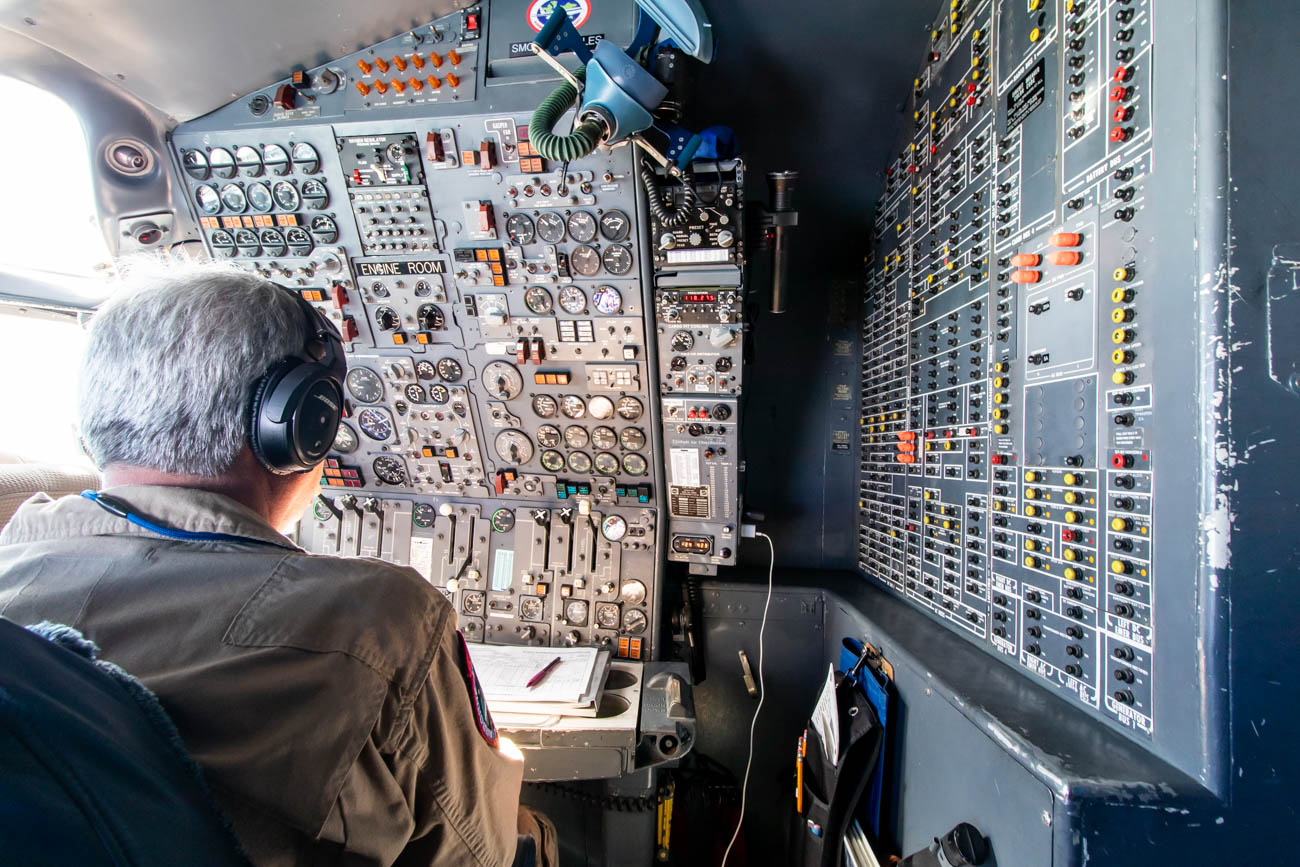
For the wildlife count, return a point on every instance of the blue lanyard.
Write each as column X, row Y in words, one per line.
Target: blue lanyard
column 166, row 532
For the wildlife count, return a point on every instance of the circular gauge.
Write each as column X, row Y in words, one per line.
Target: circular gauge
column 579, row 462
column 299, row 241
column 538, row 300
column 632, row 438
column 365, row 385
column 634, row 465
column 503, row 520
column 682, row 341
column 286, row 196
column 247, row 242
column 573, row 406
column 207, row 199
column 607, row 299
column 514, row 447
column 323, row 229
column 259, row 196
column 424, row 515
column 248, row 160
column 604, row 437
column 223, row 164
column 606, row 464
column 576, row 436
column 613, row 528
column 585, row 260
column 472, row 602
column 601, row 407
column 548, row 436
column 629, row 408
column 607, row 616
column 634, row 621
column 550, row 226
column 426, row 370
column 553, row 461
column 633, row 592
column 275, row 158
column 314, row 195
column 423, row 289
column 520, row 229
column 345, row 440
column 503, row 380
column 387, row 319
column 195, row 164
column 575, row 613
column 389, row 470
column 614, row 225
column 321, row 510
column 439, row 394
column 273, row 242
column 223, row 244
column 375, row 423
column 617, row 259
column 232, row 196
column 379, row 289
column 544, row 406
column 306, row 158
column 530, row 608
column 582, row 227
column 449, row 370
column 572, row 300
column 415, row 393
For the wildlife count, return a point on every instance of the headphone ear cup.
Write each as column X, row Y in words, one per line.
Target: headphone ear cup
column 267, row 438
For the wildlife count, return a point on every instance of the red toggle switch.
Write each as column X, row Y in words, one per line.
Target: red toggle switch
column 521, row 351
column 433, row 149
column 486, row 222
column 499, row 483
column 471, row 22
column 349, row 330
column 538, row 350
column 286, row 97
column 486, row 158
column 338, row 296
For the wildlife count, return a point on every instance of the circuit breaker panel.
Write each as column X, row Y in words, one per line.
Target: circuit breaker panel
column 1034, row 352
column 506, row 324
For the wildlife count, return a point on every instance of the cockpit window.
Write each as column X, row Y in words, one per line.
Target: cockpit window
column 41, row 355
column 47, row 213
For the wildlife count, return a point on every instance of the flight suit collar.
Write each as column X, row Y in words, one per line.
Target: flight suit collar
column 42, row 518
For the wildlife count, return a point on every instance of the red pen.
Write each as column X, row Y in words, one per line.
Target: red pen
column 541, row 675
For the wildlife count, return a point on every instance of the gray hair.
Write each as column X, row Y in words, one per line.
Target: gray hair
column 170, row 365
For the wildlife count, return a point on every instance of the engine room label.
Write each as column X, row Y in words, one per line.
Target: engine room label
column 398, row 269
column 1027, row 94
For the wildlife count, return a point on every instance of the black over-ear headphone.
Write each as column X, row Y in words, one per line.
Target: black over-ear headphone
column 298, row 404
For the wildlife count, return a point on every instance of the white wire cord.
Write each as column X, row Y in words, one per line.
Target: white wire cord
column 762, row 696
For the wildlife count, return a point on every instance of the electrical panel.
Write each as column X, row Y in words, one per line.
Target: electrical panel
column 513, row 386
column 1034, row 348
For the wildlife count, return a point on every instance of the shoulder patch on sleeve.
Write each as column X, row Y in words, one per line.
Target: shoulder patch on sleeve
column 477, row 700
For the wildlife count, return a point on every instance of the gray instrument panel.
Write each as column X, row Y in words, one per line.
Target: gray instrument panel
column 1010, row 438
column 503, row 434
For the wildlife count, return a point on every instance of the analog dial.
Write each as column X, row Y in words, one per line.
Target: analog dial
column 315, row 195
column 617, row 259
column 538, row 300
column 514, row 447
column 247, row 242
column 553, row 461
column 208, row 200
column 375, row 423
column 575, row 612
column 223, row 244
column 635, row 621
column 601, row 407
column 580, row 462
column 614, row 225
column 324, row 229
column 424, row 515
column 449, row 370
column 299, row 241
column 607, row 299
column 259, row 196
column 472, row 602
column 530, row 608
column 582, row 227
column 604, row 438
column 276, row 159
column 573, row 406
column 249, row 161
column 548, row 436
column 439, row 394
column 503, row 380
column 520, row 229
column 415, row 393
column 576, row 436
column 613, row 528
column 629, row 408
column 306, row 158
column 232, row 196
column 633, row 592
column 196, row 164
column 585, row 260
column 606, row 464
column 426, row 370
column 345, row 441
column 550, row 226
column 607, row 615
column 572, row 300
column 503, row 520
column 223, row 164
column 286, row 196
column 273, row 242
column 365, row 385
column 544, row 406
column 682, row 341
column 634, row 465
column 390, row 470
column 632, row 438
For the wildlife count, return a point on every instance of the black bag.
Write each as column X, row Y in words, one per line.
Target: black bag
column 831, row 791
